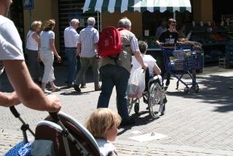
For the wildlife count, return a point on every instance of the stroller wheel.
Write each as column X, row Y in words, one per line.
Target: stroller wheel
column 136, row 108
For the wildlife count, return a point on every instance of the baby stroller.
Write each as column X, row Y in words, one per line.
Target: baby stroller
column 153, row 95
column 57, row 135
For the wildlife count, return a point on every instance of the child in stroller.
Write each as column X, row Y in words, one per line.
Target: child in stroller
column 152, row 94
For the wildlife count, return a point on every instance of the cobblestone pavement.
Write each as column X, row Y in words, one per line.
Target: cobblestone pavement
column 195, row 124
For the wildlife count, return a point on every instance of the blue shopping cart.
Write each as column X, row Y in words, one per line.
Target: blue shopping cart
column 179, row 63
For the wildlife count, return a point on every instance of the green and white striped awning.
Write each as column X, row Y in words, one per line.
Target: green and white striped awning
column 136, row 5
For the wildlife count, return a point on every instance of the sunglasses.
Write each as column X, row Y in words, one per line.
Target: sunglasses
column 173, row 24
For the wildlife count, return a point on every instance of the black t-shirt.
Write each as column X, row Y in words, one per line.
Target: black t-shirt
column 169, row 38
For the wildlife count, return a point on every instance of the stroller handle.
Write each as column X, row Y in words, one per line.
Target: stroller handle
column 54, row 116
column 14, row 111
column 17, row 115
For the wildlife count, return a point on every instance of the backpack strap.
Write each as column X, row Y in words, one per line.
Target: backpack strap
column 117, row 56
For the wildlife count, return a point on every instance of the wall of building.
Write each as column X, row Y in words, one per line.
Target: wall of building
column 135, row 18
column 203, row 10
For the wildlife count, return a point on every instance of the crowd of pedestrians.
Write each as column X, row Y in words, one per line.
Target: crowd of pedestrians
column 81, row 50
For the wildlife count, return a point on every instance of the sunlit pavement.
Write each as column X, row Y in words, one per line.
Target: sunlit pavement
column 194, row 124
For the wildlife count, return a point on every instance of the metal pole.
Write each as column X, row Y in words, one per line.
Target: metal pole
column 30, row 17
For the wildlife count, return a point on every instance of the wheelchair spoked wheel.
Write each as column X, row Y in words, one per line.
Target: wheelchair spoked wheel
column 155, row 99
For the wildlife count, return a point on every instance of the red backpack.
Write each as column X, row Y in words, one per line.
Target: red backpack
column 109, row 42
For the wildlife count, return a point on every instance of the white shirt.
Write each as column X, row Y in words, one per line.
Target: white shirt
column 105, row 147
column 70, row 37
column 10, row 42
column 88, row 37
column 147, row 59
column 45, row 37
column 31, row 42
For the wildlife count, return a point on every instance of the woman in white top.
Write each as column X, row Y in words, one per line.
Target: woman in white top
column 32, row 44
column 148, row 59
column 47, row 51
column 12, row 58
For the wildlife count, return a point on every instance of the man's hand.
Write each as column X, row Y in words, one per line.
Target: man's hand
column 55, row 103
column 145, row 66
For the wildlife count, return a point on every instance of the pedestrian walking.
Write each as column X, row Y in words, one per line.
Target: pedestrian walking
column 12, row 58
column 115, row 72
column 47, row 52
column 87, row 50
column 33, row 57
column 71, row 39
column 168, row 40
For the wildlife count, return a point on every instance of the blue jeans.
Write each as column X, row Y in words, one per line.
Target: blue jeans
column 114, row 75
column 71, row 56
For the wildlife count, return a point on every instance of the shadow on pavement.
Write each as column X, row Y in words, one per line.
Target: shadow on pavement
column 214, row 89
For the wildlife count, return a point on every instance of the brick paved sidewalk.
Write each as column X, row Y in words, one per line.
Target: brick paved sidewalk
column 197, row 124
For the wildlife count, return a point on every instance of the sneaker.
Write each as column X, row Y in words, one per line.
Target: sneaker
column 128, row 122
column 56, row 89
column 47, row 91
column 76, row 87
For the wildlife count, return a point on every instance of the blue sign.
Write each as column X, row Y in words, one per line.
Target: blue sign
column 28, row 4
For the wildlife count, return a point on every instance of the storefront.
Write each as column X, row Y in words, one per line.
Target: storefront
column 144, row 18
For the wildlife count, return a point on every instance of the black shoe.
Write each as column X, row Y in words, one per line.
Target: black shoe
column 76, row 87
column 163, row 112
column 69, row 85
column 128, row 122
column 98, row 89
column 83, row 86
column 165, row 100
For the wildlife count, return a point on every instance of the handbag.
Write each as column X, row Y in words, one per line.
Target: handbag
column 136, row 83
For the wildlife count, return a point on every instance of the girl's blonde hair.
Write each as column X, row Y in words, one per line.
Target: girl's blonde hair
column 101, row 121
column 49, row 25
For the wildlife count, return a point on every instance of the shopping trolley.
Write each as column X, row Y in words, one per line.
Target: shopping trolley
column 179, row 63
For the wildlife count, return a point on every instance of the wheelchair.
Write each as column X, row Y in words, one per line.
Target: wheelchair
column 153, row 95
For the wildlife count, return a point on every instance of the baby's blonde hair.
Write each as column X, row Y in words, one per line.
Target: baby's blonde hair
column 101, row 121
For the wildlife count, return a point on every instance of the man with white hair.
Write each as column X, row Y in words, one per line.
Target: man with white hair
column 88, row 40
column 71, row 39
column 116, row 72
